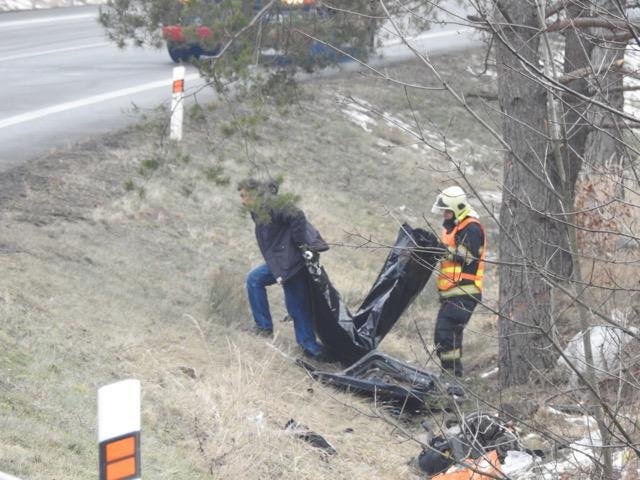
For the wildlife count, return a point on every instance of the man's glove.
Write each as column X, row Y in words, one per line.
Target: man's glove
column 311, row 256
column 441, row 252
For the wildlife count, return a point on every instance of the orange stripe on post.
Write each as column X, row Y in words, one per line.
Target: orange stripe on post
column 121, row 449
column 122, row 469
column 178, row 86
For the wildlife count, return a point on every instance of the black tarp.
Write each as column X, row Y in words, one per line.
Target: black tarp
column 406, row 270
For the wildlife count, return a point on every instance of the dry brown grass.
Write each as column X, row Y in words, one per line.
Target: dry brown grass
column 105, row 282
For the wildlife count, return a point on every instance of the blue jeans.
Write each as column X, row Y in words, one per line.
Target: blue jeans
column 297, row 301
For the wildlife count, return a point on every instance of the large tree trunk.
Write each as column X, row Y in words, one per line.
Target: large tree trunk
column 529, row 241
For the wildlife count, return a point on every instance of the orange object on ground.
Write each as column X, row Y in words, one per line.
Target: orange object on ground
column 488, row 463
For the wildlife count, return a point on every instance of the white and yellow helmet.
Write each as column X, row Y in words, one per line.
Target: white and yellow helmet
column 454, row 199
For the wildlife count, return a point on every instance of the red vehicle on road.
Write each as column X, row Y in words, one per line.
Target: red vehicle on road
column 185, row 42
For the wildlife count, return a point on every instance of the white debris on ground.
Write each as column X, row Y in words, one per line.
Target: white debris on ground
column 258, row 420
column 574, row 461
column 577, row 460
column 11, row 5
column 607, row 344
column 516, row 462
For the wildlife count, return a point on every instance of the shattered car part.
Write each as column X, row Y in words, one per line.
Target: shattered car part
column 406, row 271
column 479, row 433
column 384, row 377
column 303, row 433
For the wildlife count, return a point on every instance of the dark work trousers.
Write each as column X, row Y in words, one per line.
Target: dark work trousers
column 453, row 316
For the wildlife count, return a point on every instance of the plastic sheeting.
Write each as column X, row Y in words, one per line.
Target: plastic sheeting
column 406, row 271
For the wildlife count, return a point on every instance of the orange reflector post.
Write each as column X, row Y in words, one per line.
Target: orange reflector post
column 120, row 457
column 178, row 86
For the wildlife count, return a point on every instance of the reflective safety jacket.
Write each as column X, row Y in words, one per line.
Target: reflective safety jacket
column 461, row 272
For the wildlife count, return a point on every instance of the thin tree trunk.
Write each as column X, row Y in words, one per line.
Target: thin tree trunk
column 604, row 150
column 577, row 55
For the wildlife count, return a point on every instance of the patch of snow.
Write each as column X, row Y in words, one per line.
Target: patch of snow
column 489, row 72
column 585, row 420
column 356, row 113
column 360, row 119
column 494, row 196
column 583, row 451
column 453, row 430
column 490, row 373
column 553, row 411
column 632, row 97
column 392, row 121
column 381, row 142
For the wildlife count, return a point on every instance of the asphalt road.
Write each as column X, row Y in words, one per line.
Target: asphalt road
column 63, row 82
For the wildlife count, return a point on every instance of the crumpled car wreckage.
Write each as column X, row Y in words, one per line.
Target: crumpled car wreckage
column 477, row 435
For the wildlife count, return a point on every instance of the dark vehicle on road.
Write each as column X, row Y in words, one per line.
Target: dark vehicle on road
column 192, row 38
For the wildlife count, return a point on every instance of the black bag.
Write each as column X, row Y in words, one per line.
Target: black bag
column 404, row 274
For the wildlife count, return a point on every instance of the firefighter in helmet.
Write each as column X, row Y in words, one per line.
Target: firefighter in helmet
column 460, row 274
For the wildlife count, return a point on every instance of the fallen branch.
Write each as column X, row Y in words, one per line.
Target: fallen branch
column 587, row 71
column 589, row 22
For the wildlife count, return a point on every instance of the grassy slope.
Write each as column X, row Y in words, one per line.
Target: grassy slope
column 100, row 283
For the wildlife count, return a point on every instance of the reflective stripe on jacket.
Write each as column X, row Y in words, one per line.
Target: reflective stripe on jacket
column 453, row 280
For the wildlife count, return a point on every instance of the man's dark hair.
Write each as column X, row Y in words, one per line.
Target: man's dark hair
column 254, row 185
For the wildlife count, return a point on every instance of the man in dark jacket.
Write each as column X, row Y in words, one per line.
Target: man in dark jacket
column 281, row 231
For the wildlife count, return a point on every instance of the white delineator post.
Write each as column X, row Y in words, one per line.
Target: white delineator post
column 177, row 104
column 119, row 430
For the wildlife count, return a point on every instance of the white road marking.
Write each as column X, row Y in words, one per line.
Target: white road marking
column 103, row 97
column 35, row 21
column 63, row 107
column 49, row 52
